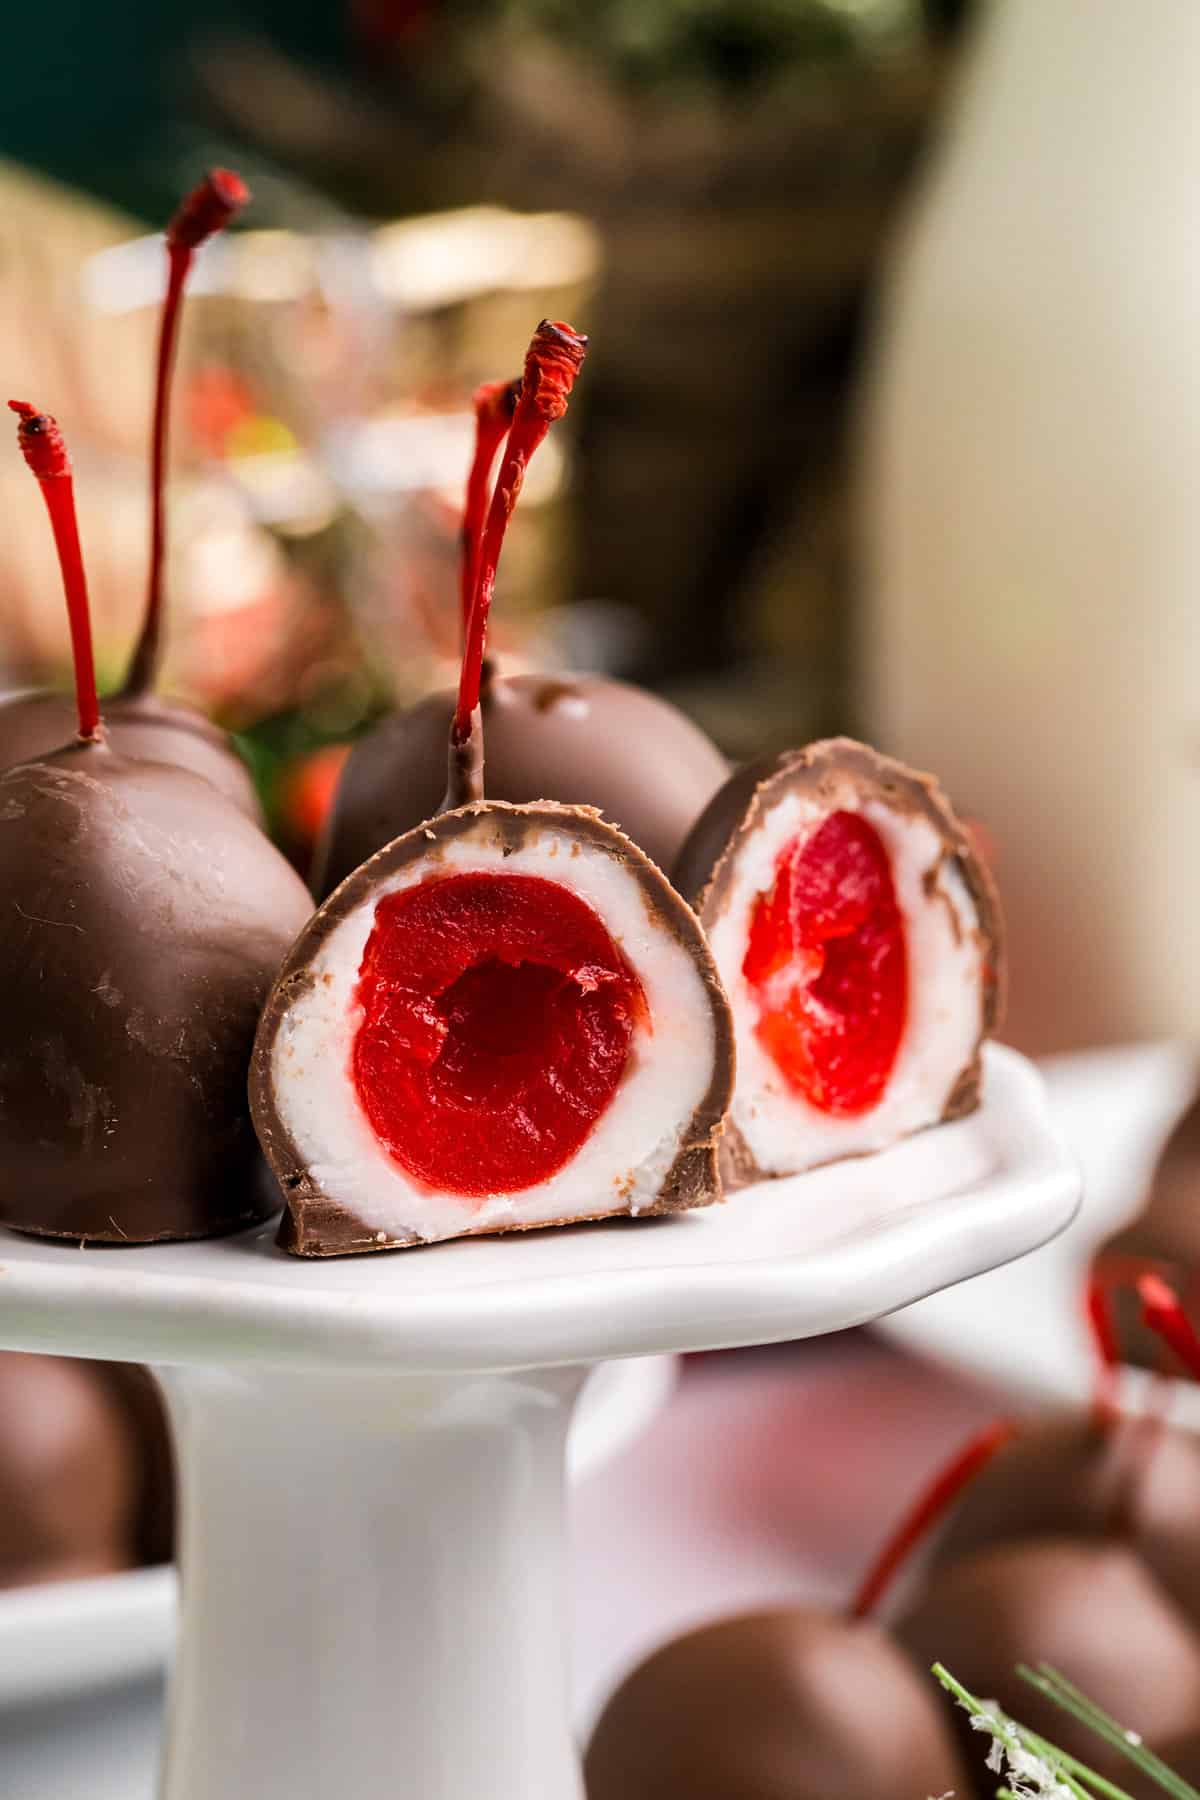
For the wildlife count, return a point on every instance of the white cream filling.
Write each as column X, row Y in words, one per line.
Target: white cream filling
column 621, row 1165
column 945, row 992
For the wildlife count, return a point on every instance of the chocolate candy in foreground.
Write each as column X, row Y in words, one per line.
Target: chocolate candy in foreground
column 505, row 1019
column 1093, row 1611
column 145, row 919
column 858, row 937
column 796, row 1705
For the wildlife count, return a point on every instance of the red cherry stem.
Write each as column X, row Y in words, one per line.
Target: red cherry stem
column 1102, row 1327
column 494, row 404
column 554, row 359
column 938, row 1497
column 208, row 208
column 42, row 443
column 1162, row 1311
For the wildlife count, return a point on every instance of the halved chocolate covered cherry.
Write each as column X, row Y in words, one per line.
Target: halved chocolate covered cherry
column 584, row 740
column 858, row 938
column 507, row 1018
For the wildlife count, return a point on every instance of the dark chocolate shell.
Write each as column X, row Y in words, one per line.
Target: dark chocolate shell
column 144, row 921
column 583, row 740
column 140, row 726
column 777, row 1706
column 1093, row 1611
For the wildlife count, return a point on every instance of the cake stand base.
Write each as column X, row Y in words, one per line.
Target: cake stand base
column 373, row 1588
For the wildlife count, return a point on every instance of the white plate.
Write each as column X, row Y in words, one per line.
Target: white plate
column 791, row 1258
column 1021, row 1328
column 785, row 1259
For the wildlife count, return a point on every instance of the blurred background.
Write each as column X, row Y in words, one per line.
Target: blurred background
column 707, row 186
column 890, row 424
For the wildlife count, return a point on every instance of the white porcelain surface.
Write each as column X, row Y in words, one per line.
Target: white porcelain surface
column 83, row 1663
column 791, row 1258
column 372, row 1487
column 1022, row 1328
column 68, row 1637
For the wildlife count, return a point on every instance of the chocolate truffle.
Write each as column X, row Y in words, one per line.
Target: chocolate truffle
column 143, row 727
column 583, row 740
column 505, row 1018
column 858, row 937
column 145, row 919
column 1093, row 1611
column 1131, row 1481
column 70, row 1482
column 778, row 1706
column 1165, row 1235
column 140, row 723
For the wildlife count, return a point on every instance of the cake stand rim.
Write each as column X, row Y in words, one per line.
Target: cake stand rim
column 122, row 1304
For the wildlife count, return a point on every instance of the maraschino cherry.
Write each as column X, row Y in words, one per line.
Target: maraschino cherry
column 142, row 724
column 145, row 916
column 797, row 1704
column 505, row 1018
column 583, row 740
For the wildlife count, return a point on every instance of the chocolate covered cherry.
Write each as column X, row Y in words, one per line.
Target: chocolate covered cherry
column 1092, row 1610
column 583, row 740
column 70, row 1484
column 140, row 723
column 858, row 937
column 144, row 919
column 795, row 1705
column 1079, row 1546
column 505, row 1018
column 791, row 1705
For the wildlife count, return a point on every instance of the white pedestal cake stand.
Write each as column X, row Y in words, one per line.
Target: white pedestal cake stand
column 371, row 1450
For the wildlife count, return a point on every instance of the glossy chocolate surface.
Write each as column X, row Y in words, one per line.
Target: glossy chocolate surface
column 583, row 741
column 776, row 1706
column 142, row 726
column 144, row 921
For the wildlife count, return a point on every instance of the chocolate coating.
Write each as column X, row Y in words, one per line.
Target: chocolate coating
column 1134, row 1482
column 704, row 869
column 315, row 1222
column 1092, row 1611
column 144, row 918
column 778, row 1706
column 583, row 741
column 70, row 1485
column 137, row 1394
column 140, row 726
column 1165, row 1233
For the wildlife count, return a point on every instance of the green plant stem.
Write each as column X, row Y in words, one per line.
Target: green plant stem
column 1012, row 1735
column 1070, row 1699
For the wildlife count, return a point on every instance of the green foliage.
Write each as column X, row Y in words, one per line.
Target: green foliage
column 733, row 43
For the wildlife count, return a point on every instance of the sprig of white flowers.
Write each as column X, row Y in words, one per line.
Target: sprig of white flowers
column 1034, row 1769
